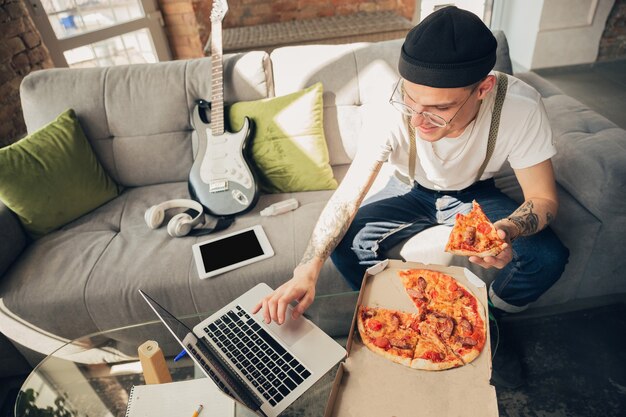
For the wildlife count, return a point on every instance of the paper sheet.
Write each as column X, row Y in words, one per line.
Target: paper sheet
column 179, row 399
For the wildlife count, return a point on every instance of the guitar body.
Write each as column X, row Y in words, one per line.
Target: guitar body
column 220, row 177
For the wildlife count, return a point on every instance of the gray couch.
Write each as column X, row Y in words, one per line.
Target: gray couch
column 84, row 277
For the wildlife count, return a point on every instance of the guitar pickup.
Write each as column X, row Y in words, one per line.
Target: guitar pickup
column 218, row 186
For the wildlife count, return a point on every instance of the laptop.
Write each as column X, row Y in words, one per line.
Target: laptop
column 265, row 367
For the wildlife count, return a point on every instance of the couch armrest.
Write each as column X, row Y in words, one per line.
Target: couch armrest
column 591, row 152
column 12, row 238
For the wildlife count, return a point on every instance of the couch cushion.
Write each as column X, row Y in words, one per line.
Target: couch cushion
column 343, row 76
column 289, row 147
column 137, row 117
column 52, row 176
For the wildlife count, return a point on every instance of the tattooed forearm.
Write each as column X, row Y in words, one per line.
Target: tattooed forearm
column 338, row 214
column 328, row 232
column 527, row 219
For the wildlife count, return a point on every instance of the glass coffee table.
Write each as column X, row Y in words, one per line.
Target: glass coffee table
column 92, row 376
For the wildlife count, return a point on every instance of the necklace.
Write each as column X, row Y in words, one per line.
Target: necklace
column 452, row 158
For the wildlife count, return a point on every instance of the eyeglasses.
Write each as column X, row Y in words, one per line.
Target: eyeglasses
column 397, row 101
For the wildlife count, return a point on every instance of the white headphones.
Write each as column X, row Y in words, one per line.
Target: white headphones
column 182, row 223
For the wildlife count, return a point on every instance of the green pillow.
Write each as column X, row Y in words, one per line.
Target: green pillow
column 289, row 147
column 52, row 176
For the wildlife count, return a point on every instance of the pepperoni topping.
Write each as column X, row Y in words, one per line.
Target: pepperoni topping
column 401, row 343
column 416, row 294
column 445, row 327
column 467, row 246
column 484, row 228
column 374, row 325
column 468, row 341
column 466, row 326
column 433, row 356
column 421, row 283
column 469, row 235
column 381, row 342
column 366, row 313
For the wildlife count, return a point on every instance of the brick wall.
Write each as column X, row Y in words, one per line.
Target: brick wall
column 181, row 26
column 613, row 41
column 255, row 12
column 21, row 51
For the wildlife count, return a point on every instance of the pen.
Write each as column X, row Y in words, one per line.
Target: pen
column 195, row 413
column 180, row 355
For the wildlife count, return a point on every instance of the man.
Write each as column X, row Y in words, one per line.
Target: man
column 446, row 95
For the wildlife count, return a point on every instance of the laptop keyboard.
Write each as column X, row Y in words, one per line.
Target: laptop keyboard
column 272, row 370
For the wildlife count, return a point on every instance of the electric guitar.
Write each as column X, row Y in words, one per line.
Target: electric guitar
column 221, row 178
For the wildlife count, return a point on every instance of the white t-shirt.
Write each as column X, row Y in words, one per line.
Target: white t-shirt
column 524, row 139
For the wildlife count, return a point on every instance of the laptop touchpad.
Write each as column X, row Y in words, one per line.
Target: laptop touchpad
column 291, row 330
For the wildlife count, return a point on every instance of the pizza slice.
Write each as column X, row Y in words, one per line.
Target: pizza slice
column 461, row 331
column 390, row 333
column 418, row 285
column 426, row 286
column 432, row 352
column 474, row 235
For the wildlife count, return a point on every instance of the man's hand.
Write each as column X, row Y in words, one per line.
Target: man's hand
column 300, row 288
column 328, row 232
column 499, row 261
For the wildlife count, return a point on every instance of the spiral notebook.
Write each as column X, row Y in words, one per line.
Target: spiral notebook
column 179, row 399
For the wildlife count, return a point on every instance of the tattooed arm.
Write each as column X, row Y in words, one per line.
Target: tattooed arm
column 536, row 212
column 328, row 232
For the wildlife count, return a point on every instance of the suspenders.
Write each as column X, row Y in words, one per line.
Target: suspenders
column 493, row 132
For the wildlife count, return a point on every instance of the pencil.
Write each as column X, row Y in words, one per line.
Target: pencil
column 197, row 412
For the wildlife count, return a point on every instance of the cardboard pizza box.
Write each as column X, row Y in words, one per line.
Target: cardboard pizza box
column 367, row 384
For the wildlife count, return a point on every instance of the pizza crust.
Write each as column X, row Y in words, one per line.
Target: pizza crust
column 470, row 355
column 427, row 365
column 490, row 252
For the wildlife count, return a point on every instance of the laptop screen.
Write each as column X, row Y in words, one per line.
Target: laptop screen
column 215, row 368
column 178, row 328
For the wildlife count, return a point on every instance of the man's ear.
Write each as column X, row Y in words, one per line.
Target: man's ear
column 486, row 86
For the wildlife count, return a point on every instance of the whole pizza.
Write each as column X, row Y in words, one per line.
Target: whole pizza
column 447, row 330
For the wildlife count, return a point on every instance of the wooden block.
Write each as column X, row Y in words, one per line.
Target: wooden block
column 153, row 363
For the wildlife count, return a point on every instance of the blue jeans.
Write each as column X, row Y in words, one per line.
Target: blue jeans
column 399, row 211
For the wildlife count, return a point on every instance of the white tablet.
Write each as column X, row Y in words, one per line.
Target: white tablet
column 231, row 251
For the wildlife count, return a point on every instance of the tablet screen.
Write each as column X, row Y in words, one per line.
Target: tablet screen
column 230, row 250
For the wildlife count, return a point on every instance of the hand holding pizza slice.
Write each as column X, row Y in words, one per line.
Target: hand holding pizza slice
column 474, row 235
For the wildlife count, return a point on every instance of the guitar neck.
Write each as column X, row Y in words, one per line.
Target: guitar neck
column 217, row 80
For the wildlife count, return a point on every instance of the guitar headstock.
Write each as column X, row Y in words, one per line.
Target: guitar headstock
column 218, row 11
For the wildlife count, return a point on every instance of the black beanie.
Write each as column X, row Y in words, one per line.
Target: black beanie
column 450, row 48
